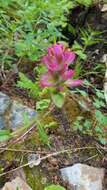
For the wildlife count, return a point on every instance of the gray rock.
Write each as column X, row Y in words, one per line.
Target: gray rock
column 4, row 103
column 12, row 113
column 2, row 123
column 17, row 114
column 83, row 177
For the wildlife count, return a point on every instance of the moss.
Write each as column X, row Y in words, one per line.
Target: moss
column 72, row 109
column 8, row 156
column 35, row 177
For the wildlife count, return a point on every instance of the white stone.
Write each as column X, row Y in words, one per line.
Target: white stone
column 104, row 8
column 83, row 177
column 16, row 184
column 34, row 160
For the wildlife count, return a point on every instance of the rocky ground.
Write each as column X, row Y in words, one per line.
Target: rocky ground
column 78, row 149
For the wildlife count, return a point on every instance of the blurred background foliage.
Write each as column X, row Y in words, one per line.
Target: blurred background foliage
column 28, row 27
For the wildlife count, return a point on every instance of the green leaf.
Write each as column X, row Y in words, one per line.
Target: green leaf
column 89, row 37
column 103, row 140
column 81, row 54
column 40, row 69
column 79, row 50
column 101, row 118
column 4, row 135
column 71, row 29
column 42, row 104
column 42, row 134
column 58, row 99
column 76, row 46
column 100, row 94
column 87, row 125
column 86, row 3
column 50, row 125
column 54, row 187
column 77, row 124
column 26, row 83
column 98, row 129
column 83, row 93
column 98, row 103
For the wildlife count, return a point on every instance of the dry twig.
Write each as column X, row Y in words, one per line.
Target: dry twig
column 45, row 157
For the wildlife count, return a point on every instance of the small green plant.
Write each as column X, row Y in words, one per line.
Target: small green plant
column 99, row 100
column 42, row 133
column 88, row 38
column 17, row 188
column 97, row 127
column 101, row 127
column 42, row 104
column 5, row 135
column 31, row 87
column 27, row 28
column 54, row 187
column 86, row 3
column 85, row 126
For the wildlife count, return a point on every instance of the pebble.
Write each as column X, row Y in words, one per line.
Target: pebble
column 83, row 177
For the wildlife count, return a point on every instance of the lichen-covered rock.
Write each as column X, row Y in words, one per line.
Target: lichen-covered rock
column 12, row 113
column 83, row 177
column 5, row 102
column 17, row 114
column 16, row 184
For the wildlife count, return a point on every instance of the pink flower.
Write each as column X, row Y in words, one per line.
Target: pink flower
column 57, row 61
column 67, row 74
column 46, row 81
column 58, row 57
column 73, row 83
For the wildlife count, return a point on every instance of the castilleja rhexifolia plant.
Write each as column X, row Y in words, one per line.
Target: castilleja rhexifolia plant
column 58, row 76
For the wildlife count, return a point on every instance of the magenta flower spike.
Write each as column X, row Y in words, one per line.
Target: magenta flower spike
column 57, row 62
column 46, row 80
column 58, row 57
column 73, row 83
